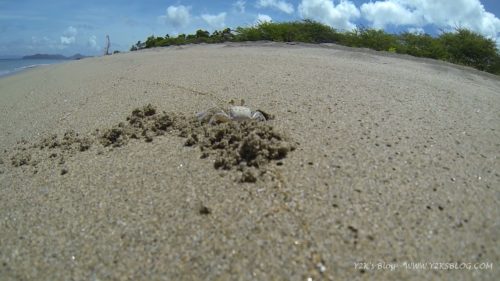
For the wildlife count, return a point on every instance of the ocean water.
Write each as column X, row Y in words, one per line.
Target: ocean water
column 11, row 66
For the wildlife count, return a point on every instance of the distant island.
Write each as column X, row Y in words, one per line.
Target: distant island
column 54, row 57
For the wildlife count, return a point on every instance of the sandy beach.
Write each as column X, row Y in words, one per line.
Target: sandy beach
column 391, row 161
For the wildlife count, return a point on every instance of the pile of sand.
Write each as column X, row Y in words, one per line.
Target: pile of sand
column 246, row 146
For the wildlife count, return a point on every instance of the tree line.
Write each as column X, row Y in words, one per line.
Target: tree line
column 461, row 46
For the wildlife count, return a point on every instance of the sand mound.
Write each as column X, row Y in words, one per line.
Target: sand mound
column 243, row 146
column 143, row 123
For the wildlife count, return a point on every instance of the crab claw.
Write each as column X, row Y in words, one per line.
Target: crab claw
column 257, row 115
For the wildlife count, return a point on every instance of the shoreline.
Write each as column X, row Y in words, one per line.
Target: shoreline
column 21, row 69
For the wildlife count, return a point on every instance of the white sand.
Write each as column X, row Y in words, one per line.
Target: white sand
column 397, row 162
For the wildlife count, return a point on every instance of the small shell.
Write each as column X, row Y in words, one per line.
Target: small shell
column 240, row 113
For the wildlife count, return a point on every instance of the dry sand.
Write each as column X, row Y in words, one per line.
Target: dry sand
column 397, row 160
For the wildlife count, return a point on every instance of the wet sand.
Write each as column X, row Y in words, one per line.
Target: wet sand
column 396, row 161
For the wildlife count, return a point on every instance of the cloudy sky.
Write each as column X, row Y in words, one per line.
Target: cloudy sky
column 68, row 27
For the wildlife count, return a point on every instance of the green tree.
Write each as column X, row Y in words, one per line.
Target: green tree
column 150, row 41
column 470, row 48
column 421, row 45
column 376, row 39
column 462, row 46
column 202, row 34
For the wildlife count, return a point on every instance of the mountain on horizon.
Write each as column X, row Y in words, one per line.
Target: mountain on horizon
column 54, row 57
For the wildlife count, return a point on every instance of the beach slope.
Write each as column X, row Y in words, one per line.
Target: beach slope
column 391, row 160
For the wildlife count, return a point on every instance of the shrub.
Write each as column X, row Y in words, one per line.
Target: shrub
column 320, row 33
column 150, row 42
column 299, row 31
column 470, row 48
column 422, row 45
column 202, row 34
column 248, row 34
column 462, row 46
column 370, row 38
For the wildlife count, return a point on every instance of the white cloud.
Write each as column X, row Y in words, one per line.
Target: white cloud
column 339, row 16
column 383, row 13
column 276, row 4
column 69, row 36
column 177, row 16
column 443, row 14
column 67, row 40
column 92, row 42
column 416, row 30
column 215, row 21
column 263, row 18
column 239, row 6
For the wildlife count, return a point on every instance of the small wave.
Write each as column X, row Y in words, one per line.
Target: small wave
column 19, row 69
column 31, row 66
column 4, row 72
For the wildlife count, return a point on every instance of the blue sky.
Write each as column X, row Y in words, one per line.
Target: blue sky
column 68, row 27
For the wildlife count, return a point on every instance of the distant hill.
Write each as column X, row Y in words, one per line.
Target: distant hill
column 54, row 57
column 77, row 57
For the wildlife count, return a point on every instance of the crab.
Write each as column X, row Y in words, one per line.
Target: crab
column 216, row 115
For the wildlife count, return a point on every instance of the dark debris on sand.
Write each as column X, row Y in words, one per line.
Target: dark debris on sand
column 237, row 144
column 246, row 146
column 70, row 141
column 21, row 158
column 144, row 123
